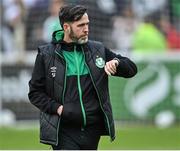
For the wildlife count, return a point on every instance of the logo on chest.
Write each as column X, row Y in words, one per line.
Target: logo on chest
column 53, row 71
column 100, row 63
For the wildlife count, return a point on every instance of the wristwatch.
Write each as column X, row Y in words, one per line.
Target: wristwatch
column 117, row 60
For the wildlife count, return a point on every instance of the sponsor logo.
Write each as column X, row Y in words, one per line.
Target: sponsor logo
column 53, row 71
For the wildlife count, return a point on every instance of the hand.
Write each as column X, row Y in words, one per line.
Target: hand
column 59, row 110
column 110, row 67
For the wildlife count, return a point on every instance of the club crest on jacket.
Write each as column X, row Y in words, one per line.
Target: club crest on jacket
column 100, row 63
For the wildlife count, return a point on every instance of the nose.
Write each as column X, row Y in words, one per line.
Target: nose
column 86, row 28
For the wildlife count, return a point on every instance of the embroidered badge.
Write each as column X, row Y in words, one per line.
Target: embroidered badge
column 100, row 63
column 53, row 71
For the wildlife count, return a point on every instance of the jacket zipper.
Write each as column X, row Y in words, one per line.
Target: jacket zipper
column 98, row 95
column 79, row 89
column 64, row 88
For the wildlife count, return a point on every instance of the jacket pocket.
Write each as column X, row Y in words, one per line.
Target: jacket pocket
column 72, row 113
column 48, row 127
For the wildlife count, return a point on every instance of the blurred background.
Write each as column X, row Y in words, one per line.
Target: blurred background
column 146, row 107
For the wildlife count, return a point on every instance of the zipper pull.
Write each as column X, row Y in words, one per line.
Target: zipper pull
column 82, row 128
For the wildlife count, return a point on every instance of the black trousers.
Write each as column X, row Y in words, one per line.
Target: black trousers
column 75, row 138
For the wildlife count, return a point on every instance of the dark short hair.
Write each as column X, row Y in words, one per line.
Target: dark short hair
column 71, row 13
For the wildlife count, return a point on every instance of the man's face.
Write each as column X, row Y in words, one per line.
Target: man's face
column 78, row 31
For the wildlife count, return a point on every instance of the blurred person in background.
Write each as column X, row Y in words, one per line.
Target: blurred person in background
column 69, row 84
column 37, row 13
column 147, row 37
column 135, row 27
column 13, row 30
column 28, row 4
column 144, row 8
column 124, row 25
column 51, row 23
column 171, row 34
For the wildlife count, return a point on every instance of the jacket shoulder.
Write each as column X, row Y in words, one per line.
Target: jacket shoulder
column 47, row 49
column 96, row 44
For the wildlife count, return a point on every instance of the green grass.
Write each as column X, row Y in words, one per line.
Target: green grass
column 143, row 137
column 11, row 138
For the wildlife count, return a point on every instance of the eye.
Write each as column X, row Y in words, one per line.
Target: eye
column 81, row 25
column 84, row 24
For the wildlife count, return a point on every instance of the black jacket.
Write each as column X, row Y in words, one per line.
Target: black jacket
column 47, row 91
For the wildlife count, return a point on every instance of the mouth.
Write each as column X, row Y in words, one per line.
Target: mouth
column 84, row 36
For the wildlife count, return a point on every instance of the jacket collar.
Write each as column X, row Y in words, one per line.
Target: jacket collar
column 70, row 47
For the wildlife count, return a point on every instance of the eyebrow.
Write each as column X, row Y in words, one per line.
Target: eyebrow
column 83, row 24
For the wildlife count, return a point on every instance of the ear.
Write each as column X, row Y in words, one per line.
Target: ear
column 66, row 26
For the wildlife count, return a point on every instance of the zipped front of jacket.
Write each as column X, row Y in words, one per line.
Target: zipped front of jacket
column 76, row 64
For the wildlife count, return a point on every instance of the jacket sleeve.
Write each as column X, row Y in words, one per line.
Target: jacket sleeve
column 126, row 67
column 37, row 95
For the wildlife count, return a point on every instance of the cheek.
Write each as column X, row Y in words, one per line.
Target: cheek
column 78, row 32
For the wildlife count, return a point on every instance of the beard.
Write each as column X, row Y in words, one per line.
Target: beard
column 79, row 40
column 82, row 40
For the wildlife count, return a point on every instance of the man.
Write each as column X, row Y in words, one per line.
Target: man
column 70, row 85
